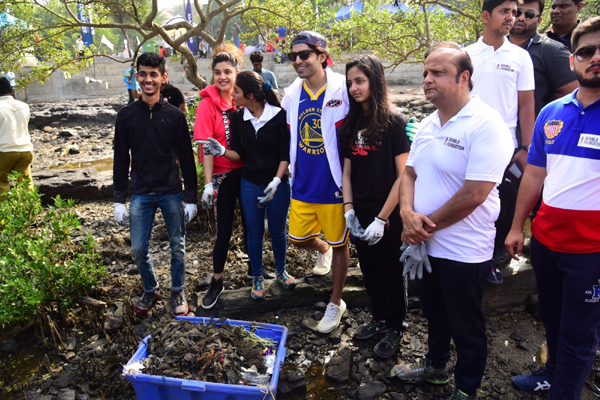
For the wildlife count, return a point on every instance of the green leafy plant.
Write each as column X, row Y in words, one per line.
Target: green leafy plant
column 41, row 265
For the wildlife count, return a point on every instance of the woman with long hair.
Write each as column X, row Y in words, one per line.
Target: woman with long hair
column 260, row 137
column 375, row 149
column 221, row 176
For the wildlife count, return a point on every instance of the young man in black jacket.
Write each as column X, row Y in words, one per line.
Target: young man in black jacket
column 153, row 134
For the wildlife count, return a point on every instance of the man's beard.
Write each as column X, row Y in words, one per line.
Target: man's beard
column 590, row 83
column 525, row 32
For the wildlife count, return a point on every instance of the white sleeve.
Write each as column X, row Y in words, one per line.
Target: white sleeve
column 526, row 78
column 490, row 151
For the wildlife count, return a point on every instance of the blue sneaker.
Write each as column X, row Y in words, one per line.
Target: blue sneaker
column 495, row 276
column 536, row 382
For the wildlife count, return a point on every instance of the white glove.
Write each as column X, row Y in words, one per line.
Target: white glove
column 121, row 214
column 270, row 191
column 374, row 232
column 353, row 224
column 190, row 212
column 415, row 256
column 212, row 147
column 208, row 196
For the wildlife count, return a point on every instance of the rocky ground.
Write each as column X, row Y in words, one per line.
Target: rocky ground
column 80, row 355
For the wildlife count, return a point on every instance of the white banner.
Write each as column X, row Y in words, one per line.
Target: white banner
column 107, row 42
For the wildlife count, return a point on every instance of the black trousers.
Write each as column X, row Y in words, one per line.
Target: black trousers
column 451, row 301
column 131, row 99
column 507, row 191
column 226, row 199
column 569, row 300
column 382, row 270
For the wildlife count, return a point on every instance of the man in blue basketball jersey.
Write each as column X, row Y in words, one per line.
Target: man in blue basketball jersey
column 316, row 105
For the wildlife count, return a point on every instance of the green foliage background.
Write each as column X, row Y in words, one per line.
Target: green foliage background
column 41, row 267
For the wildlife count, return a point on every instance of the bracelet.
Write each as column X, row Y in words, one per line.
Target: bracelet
column 526, row 148
column 348, row 202
column 382, row 220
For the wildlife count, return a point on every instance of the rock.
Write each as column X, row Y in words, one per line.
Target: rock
column 67, row 133
column 66, row 380
column 511, row 296
column 32, row 395
column 415, row 343
column 71, row 343
column 321, row 305
column 140, row 329
column 338, row 368
column 310, row 324
column 81, row 184
column 10, row 346
column 336, row 335
column 83, row 396
column 396, row 396
column 374, row 366
column 291, row 382
column 66, row 394
column 111, row 322
column 372, row 390
column 525, row 345
column 96, row 345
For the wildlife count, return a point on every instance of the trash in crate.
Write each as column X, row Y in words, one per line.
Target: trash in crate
column 211, row 353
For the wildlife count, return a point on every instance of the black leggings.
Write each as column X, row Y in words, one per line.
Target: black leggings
column 226, row 197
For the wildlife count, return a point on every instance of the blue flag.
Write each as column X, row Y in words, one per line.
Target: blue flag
column 188, row 17
column 86, row 31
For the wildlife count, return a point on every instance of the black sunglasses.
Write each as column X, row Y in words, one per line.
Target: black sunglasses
column 304, row 54
column 529, row 14
column 586, row 52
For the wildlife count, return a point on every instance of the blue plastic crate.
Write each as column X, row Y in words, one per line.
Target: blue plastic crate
column 153, row 387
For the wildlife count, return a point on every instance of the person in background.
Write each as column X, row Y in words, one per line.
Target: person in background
column 133, row 87
column 256, row 58
column 236, row 34
column 16, row 150
column 259, row 136
column 80, row 45
column 222, row 177
column 152, row 146
column 375, row 148
column 173, row 94
column 564, row 17
column 503, row 78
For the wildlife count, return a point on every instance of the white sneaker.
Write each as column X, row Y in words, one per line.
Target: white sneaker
column 323, row 265
column 332, row 317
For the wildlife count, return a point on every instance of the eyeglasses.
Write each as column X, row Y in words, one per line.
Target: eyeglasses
column 304, row 54
column 529, row 14
column 586, row 52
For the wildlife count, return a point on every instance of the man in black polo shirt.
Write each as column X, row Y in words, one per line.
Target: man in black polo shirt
column 553, row 75
column 564, row 15
column 173, row 95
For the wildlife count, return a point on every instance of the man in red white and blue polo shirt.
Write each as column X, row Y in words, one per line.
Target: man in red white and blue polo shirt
column 565, row 247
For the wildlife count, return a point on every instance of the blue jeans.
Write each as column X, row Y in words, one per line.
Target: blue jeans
column 254, row 213
column 142, row 210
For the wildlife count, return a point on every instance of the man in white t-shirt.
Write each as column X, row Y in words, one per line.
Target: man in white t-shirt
column 449, row 200
column 503, row 78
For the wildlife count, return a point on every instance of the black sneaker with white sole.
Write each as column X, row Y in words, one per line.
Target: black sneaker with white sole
column 213, row 293
column 370, row 329
column 267, row 276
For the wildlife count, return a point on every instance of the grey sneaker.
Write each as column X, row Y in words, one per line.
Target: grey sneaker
column 420, row 371
column 180, row 305
column 145, row 303
column 388, row 345
column 370, row 329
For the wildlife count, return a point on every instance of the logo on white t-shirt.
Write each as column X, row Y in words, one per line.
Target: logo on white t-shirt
column 590, row 141
column 505, row 67
column 454, row 143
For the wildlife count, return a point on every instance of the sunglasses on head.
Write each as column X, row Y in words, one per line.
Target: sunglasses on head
column 304, row 54
column 529, row 14
column 586, row 52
